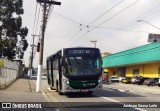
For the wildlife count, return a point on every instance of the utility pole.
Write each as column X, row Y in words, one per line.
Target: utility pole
column 94, row 42
column 31, row 58
column 46, row 9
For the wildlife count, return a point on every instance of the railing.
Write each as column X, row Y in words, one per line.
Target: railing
column 9, row 72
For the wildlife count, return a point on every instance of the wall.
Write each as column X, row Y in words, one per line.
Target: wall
column 9, row 72
column 148, row 70
column 151, row 70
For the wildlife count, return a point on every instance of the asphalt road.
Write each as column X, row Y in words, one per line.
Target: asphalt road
column 110, row 98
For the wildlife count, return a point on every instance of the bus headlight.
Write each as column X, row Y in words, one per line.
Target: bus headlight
column 66, row 81
column 100, row 80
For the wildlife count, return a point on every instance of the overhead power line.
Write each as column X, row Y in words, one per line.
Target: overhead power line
column 107, row 20
column 97, row 19
column 118, row 12
column 67, row 18
column 106, row 12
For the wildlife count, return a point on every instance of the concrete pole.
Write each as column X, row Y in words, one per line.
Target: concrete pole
column 39, row 75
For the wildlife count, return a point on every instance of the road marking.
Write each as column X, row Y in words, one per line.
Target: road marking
column 58, row 110
column 118, row 102
column 121, row 90
column 109, row 89
column 43, row 92
column 140, row 109
column 110, row 99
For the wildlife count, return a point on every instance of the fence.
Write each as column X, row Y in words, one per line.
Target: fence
column 9, row 72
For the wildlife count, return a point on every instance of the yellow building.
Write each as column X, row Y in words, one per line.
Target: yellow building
column 143, row 61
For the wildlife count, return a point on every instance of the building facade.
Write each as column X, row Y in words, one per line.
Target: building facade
column 143, row 61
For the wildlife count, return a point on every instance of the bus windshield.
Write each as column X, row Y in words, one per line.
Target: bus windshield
column 83, row 65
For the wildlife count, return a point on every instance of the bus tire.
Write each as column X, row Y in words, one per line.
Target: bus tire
column 52, row 88
column 59, row 91
column 57, row 86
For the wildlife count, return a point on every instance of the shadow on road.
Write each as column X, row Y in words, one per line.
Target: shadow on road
column 109, row 92
column 80, row 95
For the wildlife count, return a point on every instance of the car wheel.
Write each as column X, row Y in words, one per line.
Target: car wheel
column 153, row 84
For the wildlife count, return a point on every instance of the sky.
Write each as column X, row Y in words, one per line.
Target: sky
column 112, row 23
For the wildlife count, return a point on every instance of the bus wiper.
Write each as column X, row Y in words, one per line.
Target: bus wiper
column 77, row 60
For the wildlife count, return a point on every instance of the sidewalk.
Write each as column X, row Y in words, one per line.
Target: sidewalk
column 22, row 90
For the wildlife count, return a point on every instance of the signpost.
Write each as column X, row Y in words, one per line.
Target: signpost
column 154, row 38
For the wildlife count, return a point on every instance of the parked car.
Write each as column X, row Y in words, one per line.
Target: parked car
column 113, row 79
column 159, row 82
column 126, row 80
column 121, row 78
column 140, row 80
column 151, row 81
column 134, row 79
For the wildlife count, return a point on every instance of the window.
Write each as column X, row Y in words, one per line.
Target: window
column 159, row 71
column 55, row 64
column 83, row 65
column 136, row 71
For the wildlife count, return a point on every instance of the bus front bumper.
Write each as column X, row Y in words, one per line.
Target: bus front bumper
column 67, row 88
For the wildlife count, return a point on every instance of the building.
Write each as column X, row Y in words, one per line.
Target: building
column 143, row 61
column 105, row 54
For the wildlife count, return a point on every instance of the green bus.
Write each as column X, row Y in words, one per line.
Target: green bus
column 75, row 70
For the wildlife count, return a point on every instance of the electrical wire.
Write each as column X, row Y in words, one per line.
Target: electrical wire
column 105, row 12
column 107, row 20
column 67, row 18
column 132, row 23
column 96, row 19
column 118, row 13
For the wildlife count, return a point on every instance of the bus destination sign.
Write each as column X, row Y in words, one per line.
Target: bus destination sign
column 81, row 51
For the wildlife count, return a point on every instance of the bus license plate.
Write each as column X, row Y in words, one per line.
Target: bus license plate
column 84, row 90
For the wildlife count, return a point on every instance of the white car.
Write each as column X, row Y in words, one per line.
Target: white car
column 113, row 79
column 121, row 78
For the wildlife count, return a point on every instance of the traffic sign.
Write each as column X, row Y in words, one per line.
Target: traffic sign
column 154, row 38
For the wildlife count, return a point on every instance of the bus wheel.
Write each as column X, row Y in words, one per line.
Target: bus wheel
column 59, row 92
column 57, row 86
column 52, row 88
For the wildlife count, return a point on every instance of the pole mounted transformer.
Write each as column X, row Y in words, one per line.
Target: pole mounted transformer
column 46, row 4
column 49, row 2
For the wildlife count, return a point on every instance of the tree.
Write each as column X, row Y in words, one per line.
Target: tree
column 12, row 35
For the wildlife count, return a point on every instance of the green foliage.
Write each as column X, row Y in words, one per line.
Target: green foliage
column 12, row 35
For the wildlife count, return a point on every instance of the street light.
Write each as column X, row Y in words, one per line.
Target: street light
column 94, row 42
column 148, row 23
